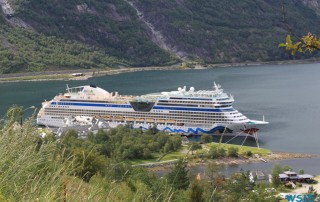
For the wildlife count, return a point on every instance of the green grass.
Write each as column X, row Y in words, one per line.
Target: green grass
column 142, row 161
column 242, row 149
column 178, row 154
column 156, row 156
column 173, row 155
column 39, row 77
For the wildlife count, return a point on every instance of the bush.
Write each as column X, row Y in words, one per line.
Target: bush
column 249, row 153
column 216, row 152
column 221, row 152
column 195, row 146
column 286, row 168
column 213, row 153
column 233, row 152
column 206, row 138
column 301, row 171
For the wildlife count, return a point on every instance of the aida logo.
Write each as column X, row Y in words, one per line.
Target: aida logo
column 88, row 92
column 300, row 198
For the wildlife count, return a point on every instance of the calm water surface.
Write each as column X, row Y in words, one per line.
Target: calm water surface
column 287, row 95
column 309, row 165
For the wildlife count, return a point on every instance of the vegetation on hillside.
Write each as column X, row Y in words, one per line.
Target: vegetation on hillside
column 65, row 38
column 25, row 51
column 101, row 34
column 111, row 25
column 229, row 31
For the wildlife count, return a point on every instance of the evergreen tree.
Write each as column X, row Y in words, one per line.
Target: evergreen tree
column 178, row 177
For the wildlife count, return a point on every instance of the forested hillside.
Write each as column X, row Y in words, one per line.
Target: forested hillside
column 43, row 34
column 229, row 31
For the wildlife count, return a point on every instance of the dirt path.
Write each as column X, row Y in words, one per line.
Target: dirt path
column 305, row 187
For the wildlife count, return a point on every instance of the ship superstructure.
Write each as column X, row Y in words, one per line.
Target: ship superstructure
column 181, row 111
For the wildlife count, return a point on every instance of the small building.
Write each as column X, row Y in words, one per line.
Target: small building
column 284, row 177
column 258, row 177
column 290, row 176
column 305, row 178
column 290, row 173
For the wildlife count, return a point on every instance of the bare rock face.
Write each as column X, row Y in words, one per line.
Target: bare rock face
column 6, row 8
column 313, row 4
column 10, row 15
column 84, row 8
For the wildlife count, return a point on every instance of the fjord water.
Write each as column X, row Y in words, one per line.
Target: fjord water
column 287, row 95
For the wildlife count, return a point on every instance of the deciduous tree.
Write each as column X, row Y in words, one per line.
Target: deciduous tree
column 276, row 170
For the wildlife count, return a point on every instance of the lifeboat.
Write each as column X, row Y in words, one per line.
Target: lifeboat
column 171, row 121
column 150, row 120
column 119, row 118
column 130, row 119
column 161, row 120
column 107, row 117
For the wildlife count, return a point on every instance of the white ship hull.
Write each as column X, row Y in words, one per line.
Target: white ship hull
column 193, row 112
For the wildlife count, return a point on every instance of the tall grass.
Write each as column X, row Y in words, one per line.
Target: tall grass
column 29, row 172
column 33, row 169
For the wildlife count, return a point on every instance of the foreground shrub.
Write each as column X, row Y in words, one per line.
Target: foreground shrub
column 233, row 152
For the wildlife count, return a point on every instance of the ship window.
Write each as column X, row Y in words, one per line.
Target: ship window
column 142, row 106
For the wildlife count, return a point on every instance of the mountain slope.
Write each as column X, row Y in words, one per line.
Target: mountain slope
column 42, row 34
column 227, row 31
column 111, row 25
column 73, row 35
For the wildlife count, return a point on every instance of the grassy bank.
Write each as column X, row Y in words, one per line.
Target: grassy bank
column 242, row 149
column 159, row 157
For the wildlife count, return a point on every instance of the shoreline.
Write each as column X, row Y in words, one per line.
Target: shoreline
column 275, row 156
column 227, row 161
column 89, row 73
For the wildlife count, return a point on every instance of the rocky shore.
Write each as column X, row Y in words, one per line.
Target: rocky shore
column 88, row 73
column 196, row 162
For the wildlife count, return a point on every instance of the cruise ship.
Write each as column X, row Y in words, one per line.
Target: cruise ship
column 184, row 111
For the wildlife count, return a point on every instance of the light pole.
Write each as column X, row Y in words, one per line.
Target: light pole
column 21, row 113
